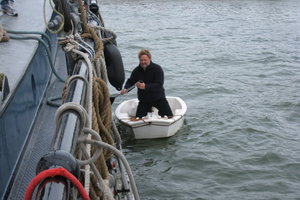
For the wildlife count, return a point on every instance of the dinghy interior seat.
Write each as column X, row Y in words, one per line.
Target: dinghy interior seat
column 175, row 106
column 130, row 110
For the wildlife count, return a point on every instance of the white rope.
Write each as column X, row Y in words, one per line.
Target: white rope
column 113, row 35
column 71, row 106
column 121, row 157
column 90, row 113
column 103, row 70
column 99, row 70
column 104, row 76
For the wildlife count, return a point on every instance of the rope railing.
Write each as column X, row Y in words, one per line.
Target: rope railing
column 39, row 178
column 119, row 154
column 98, row 139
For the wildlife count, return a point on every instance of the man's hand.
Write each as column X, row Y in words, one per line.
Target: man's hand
column 140, row 85
column 124, row 91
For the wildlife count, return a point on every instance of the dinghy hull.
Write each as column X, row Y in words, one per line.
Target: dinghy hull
column 152, row 126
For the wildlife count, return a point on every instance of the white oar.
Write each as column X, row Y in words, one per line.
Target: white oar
column 112, row 99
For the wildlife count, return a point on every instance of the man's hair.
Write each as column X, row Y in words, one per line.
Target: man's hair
column 145, row 52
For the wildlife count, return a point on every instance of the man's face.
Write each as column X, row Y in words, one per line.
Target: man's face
column 144, row 61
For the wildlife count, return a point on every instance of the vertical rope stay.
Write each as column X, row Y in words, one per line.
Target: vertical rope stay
column 99, row 113
column 90, row 110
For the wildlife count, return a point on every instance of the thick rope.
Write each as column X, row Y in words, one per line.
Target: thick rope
column 2, row 76
column 113, row 35
column 89, row 108
column 101, row 67
column 122, row 158
column 90, row 32
column 102, row 121
column 3, row 34
column 103, row 109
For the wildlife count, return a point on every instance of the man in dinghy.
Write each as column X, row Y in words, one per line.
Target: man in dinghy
column 149, row 79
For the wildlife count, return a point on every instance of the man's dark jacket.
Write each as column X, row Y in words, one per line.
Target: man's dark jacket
column 153, row 77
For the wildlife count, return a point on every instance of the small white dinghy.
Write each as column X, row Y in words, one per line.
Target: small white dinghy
column 152, row 125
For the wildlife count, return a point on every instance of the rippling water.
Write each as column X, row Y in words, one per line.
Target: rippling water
column 236, row 63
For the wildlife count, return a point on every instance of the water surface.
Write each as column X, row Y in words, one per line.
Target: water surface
column 236, row 63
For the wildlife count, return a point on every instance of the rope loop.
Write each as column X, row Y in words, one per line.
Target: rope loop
column 71, row 78
column 52, row 173
column 72, row 107
column 2, row 76
column 111, row 38
column 3, row 35
column 120, row 155
column 98, row 151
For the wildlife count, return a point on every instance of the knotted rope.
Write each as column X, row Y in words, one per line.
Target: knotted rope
column 3, row 35
column 101, row 123
column 1, row 80
column 103, row 111
column 89, row 32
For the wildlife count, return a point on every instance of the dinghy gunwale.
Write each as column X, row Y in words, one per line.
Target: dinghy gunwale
column 152, row 122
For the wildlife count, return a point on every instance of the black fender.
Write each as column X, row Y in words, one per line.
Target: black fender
column 114, row 65
column 63, row 7
column 109, row 35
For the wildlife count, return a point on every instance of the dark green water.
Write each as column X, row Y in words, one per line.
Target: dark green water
column 236, row 63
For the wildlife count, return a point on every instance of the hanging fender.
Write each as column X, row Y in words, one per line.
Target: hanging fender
column 114, row 65
column 109, row 35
